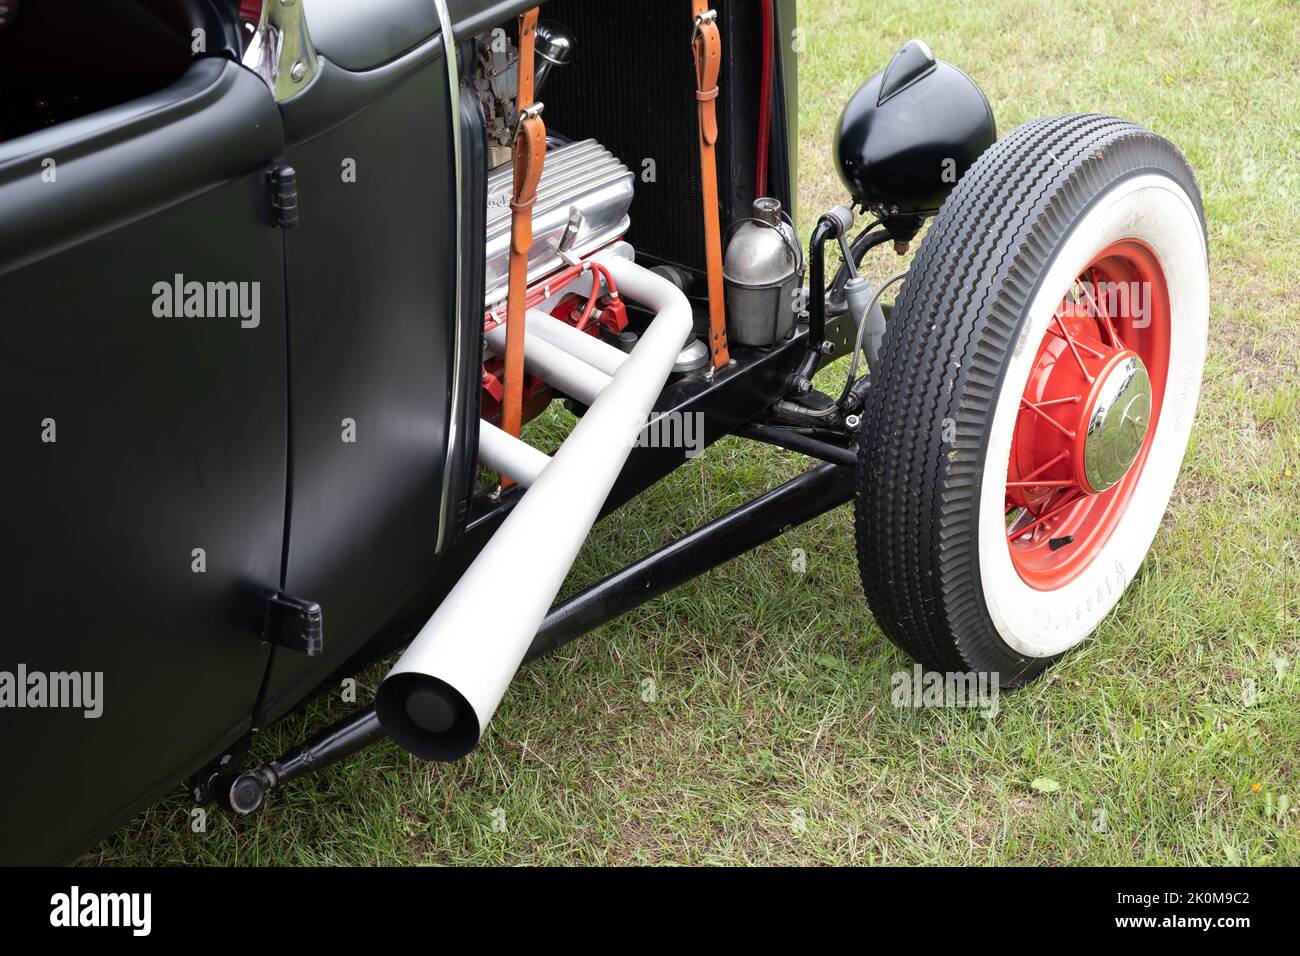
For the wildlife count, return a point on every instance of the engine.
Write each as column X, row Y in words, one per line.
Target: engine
column 582, row 206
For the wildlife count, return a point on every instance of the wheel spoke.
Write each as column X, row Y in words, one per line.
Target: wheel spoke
column 1042, row 468
column 1077, row 344
column 1015, row 533
column 1061, row 455
column 1101, row 313
column 1068, row 400
column 1026, row 403
column 1078, row 358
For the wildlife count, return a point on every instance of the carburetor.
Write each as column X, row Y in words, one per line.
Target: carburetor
column 496, row 80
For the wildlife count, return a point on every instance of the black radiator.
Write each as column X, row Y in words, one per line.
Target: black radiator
column 631, row 85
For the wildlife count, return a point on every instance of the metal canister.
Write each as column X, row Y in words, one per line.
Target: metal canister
column 761, row 271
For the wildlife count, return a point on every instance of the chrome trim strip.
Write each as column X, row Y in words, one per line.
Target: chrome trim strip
column 281, row 51
column 453, row 107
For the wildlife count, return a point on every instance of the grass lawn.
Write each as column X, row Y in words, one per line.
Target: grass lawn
column 746, row 718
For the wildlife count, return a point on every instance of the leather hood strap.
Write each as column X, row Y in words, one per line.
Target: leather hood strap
column 706, row 44
column 529, row 160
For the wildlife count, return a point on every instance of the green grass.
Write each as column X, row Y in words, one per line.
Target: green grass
column 773, row 687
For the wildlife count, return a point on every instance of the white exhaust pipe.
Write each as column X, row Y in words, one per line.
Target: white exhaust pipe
column 554, row 365
column 507, row 455
column 444, row 689
column 586, row 347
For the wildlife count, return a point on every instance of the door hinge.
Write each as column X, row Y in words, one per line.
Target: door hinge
column 284, row 197
column 293, row 623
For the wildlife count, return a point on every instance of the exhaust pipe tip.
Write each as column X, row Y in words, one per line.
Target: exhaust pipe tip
column 443, row 690
column 427, row 716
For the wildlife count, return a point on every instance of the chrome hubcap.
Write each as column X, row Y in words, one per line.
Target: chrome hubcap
column 1117, row 424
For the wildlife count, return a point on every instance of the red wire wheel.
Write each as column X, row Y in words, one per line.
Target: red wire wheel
column 1088, row 415
column 1034, row 398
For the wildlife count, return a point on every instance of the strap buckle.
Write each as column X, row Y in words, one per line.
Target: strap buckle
column 708, row 16
column 532, row 112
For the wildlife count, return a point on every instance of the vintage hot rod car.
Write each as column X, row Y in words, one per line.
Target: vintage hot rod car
column 283, row 280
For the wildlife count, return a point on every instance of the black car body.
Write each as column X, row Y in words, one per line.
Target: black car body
column 197, row 466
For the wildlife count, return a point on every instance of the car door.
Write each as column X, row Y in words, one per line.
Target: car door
column 144, row 427
column 380, row 334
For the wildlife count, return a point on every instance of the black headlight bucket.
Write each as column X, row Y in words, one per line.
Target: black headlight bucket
column 910, row 132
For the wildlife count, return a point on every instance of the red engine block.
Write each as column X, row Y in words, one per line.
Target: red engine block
column 610, row 313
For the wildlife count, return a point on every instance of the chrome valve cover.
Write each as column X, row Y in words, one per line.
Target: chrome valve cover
column 583, row 176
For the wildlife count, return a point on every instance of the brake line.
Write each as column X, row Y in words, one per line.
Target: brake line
column 857, row 341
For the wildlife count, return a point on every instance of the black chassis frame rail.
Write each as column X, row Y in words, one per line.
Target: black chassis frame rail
column 730, row 401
